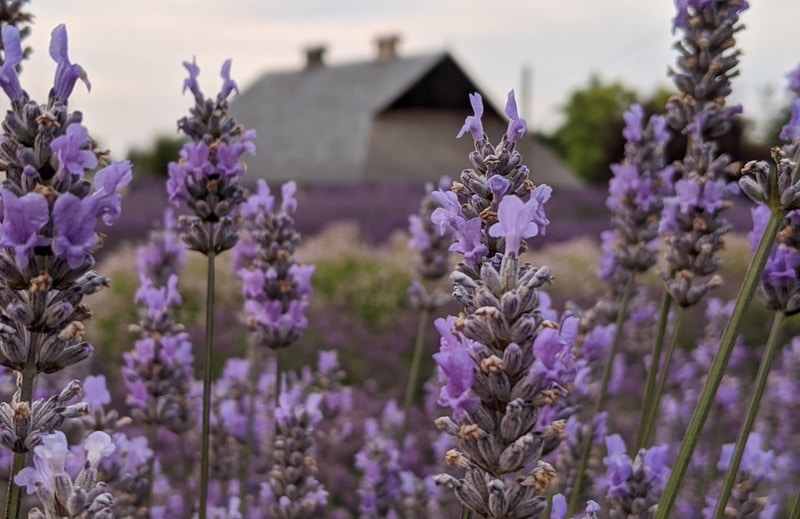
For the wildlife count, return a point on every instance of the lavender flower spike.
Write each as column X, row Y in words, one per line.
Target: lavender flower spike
column 634, row 486
column 275, row 286
column 206, row 178
column 49, row 220
column 500, row 361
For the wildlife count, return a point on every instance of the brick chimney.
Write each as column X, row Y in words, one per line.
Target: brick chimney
column 387, row 47
column 314, row 56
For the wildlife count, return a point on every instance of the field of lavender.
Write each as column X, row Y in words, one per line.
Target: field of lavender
column 478, row 348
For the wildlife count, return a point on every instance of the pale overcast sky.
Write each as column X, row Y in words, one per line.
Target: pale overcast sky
column 133, row 51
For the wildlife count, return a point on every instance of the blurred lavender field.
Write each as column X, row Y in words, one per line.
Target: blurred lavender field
column 382, row 208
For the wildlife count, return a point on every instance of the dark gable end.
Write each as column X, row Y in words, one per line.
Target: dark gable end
column 391, row 119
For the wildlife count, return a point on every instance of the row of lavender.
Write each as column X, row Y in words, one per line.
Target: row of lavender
column 542, row 405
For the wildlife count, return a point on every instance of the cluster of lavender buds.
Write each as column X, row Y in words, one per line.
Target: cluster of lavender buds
column 49, row 214
column 559, row 509
column 389, row 486
column 634, row 486
column 501, row 361
column 426, row 239
column 275, row 287
column 293, row 490
column 127, row 471
column 779, row 288
column 692, row 221
column 571, row 450
column 756, row 468
column 158, row 372
column 636, row 194
column 206, row 178
column 61, row 495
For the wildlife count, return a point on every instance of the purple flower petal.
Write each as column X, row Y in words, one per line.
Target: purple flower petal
column 75, row 221
column 67, row 74
column 472, row 123
column 23, row 218
column 228, row 85
column 516, row 126
column 9, row 80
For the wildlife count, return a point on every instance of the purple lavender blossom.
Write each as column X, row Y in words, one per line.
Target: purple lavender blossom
column 293, row 490
column 12, row 47
column 73, row 151
column 634, row 486
column 23, row 218
column 755, row 469
column 50, row 212
column 55, row 488
column 794, row 81
column 432, row 246
column 516, row 125
column 472, row 123
column 275, row 287
column 67, row 74
column 693, row 222
column 499, row 362
column 158, row 372
column 518, row 220
column 791, row 132
column 456, row 370
column 206, row 178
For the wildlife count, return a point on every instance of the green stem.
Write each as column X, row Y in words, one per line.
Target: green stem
column 796, row 508
column 249, row 442
column 278, row 375
column 601, row 397
column 466, row 513
column 204, row 454
column 717, row 370
column 655, row 400
column 411, row 388
column 771, row 351
column 652, row 374
column 26, row 386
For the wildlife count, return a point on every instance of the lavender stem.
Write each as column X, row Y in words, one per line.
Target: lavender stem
column 204, row 454
column 19, row 460
column 652, row 404
column 771, row 351
column 413, row 376
column 652, row 374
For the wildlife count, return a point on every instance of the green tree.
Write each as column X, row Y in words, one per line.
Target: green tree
column 155, row 160
column 590, row 115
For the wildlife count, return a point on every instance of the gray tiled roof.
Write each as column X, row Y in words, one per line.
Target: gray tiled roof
column 322, row 117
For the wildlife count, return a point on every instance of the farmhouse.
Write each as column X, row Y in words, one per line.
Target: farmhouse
column 389, row 118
